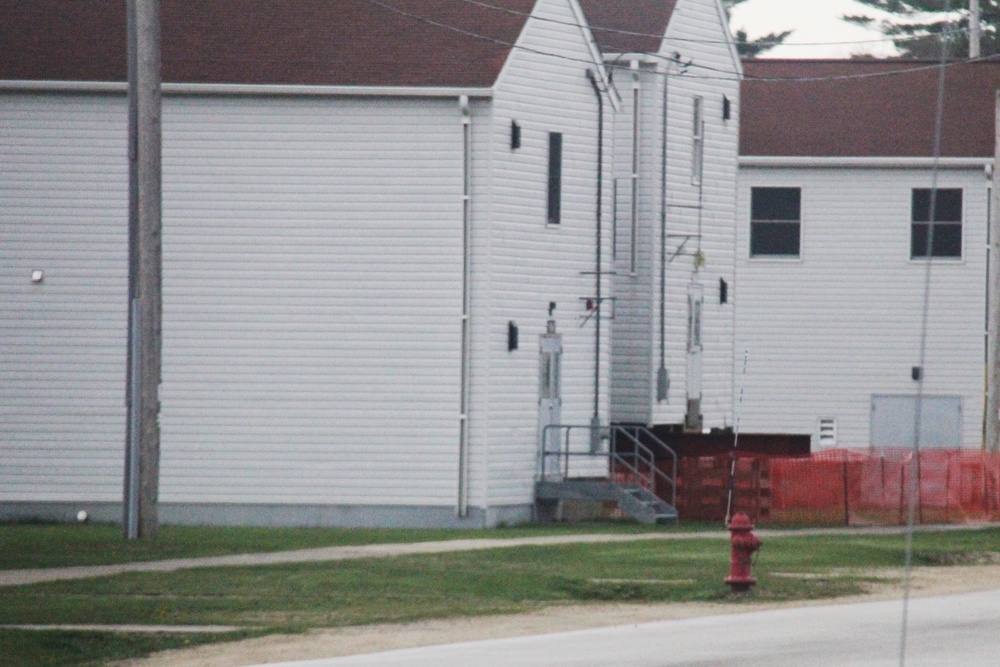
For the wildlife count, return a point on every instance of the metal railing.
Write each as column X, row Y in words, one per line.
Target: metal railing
column 640, row 461
column 625, row 454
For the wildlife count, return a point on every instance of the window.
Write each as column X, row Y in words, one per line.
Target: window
column 555, row 178
column 775, row 221
column 947, row 223
column 698, row 141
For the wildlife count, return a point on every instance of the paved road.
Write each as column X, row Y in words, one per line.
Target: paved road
column 947, row 630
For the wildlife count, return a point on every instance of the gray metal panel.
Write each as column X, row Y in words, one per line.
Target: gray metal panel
column 893, row 419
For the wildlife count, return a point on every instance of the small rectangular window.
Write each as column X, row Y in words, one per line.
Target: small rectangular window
column 555, row 178
column 775, row 222
column 946, row 223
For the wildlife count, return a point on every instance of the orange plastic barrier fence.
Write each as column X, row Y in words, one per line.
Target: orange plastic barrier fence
column 846, row 487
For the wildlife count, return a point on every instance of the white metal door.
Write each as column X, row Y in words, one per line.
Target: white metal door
column 550, row 401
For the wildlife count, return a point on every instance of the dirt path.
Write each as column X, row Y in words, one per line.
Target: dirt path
column 369, row 639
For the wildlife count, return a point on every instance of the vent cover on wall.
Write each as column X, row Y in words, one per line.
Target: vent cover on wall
column 827, row 433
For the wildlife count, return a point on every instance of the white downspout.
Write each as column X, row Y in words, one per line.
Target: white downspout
column 662, row 375
column 634, row 208
column 463, row 446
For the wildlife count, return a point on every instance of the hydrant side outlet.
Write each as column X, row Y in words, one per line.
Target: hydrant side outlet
column 743, row 544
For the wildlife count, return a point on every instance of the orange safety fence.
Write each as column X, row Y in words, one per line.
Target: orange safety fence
column 846, row 487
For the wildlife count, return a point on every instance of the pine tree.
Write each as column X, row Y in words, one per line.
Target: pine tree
column 918, row 36
column 750, row 48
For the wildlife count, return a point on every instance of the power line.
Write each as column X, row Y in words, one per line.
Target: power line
column 922, row 347
column 631, row 33
column 726, row 74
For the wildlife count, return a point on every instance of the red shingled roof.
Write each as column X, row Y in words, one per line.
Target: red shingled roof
column 642, row 23
column 877, row 116
column 304, row 42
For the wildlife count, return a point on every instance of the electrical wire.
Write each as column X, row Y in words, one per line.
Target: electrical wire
column 736, row 437
column 631, row 33
column 922, row 356
column 942, row 67
column 827, row 77
column 726, row 75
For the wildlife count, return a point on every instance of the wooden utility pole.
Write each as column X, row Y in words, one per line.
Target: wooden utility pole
column 992, row 439
column 142, row 457
column 975, row 29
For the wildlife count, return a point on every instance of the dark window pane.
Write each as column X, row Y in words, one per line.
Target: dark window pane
column 774, row 238
column 947, row 240
column 947, row 205
column 555, row 178
column 775, row 203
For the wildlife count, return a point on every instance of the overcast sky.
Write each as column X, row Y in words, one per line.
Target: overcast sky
column 818, row 28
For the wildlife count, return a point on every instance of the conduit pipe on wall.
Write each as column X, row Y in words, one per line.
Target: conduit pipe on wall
column 595, row 422
column 463, row 446
column 633, row 239
column 662, row 375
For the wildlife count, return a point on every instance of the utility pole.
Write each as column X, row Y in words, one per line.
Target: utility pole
column 142, row 455
column 975, row 29
column 992, row 442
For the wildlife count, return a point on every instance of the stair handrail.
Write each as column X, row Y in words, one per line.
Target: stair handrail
column 640, row 451
column 563, row 452
column 645, row 455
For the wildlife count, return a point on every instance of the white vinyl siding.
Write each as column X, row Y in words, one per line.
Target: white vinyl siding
column 698, row 217
column 313, row 289
column 312, row 300
column 524, row 264
column 63, row 210
column 636, row 278
column 700, row 33
column 842, row 324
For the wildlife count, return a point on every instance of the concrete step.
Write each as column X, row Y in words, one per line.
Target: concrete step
column 640, row 503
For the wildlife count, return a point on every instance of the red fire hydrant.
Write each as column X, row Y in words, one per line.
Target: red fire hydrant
column 743, row 544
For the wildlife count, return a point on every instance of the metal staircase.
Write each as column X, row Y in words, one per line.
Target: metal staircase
column 613, row 465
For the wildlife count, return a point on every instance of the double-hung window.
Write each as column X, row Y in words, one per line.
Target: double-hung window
column 942, row 232
column 775, row 222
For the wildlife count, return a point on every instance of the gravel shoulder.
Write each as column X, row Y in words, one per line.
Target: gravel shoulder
column 328, row 643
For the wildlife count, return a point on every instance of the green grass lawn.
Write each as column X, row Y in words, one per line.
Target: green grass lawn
column 56, row 648
column 55, row 545
column 286, row 598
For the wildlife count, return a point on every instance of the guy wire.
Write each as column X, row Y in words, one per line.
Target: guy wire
column 914, row 463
